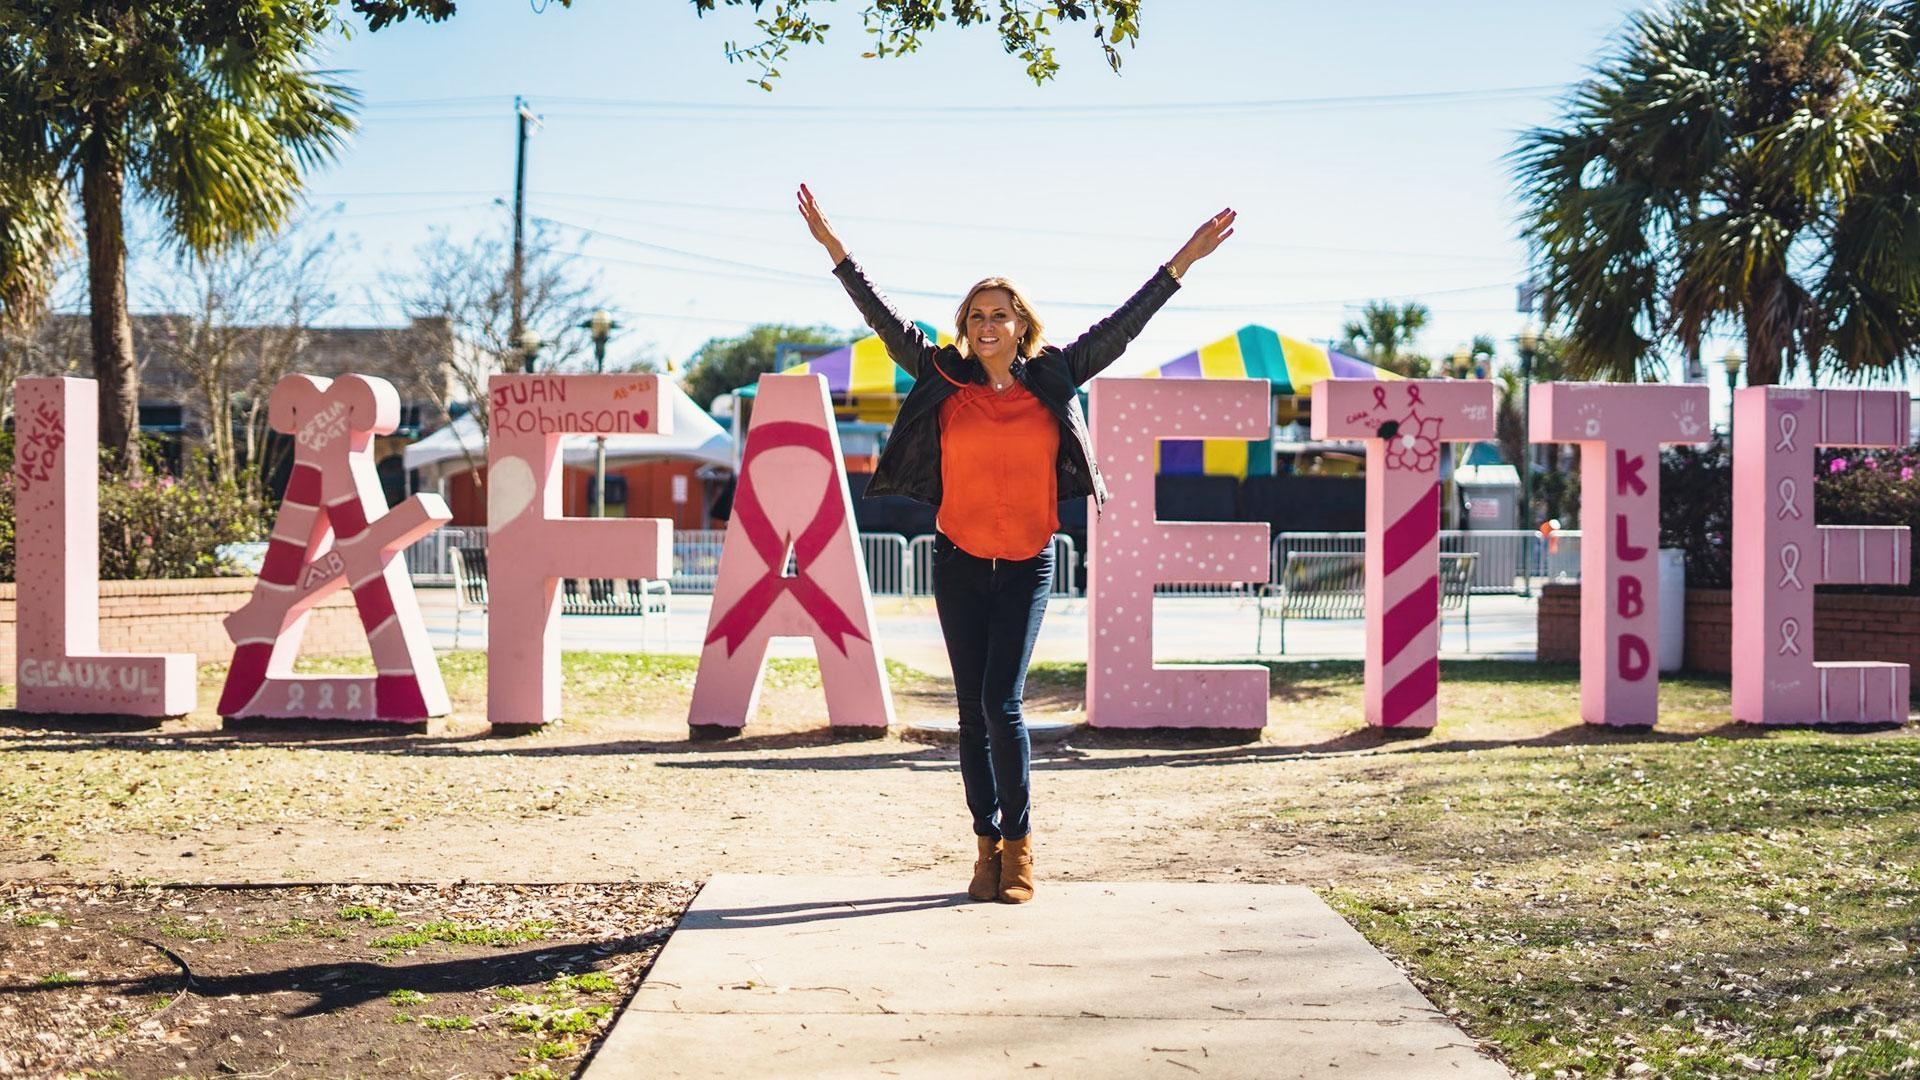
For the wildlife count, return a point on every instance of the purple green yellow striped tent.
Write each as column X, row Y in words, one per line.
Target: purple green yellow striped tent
column 1252, row 352
column 861, row 369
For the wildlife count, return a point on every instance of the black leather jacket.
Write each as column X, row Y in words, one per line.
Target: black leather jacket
column 910, row 464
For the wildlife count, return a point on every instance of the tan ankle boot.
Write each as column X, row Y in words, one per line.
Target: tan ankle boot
column 1016, row 870
column 986, row 870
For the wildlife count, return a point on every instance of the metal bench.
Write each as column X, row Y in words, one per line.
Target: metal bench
column 469, row 584
column 648, row 598
column 1333, row 585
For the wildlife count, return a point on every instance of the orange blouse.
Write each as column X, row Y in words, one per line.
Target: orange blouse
column 999, row 492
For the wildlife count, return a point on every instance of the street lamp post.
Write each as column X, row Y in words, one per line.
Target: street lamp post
column 529, row 345
column 601, row 326
column 1529, row 342
column 1732, row 361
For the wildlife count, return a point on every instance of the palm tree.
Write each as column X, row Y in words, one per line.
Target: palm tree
column 1737, row 162
column 1384, row 332
column 209, row 112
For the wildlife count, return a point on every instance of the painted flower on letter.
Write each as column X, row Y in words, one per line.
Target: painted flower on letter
column 1415, row 445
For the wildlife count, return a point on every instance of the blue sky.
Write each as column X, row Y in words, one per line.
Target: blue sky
column 949, row 165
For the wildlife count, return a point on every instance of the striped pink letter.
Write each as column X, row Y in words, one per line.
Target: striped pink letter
column 334, row 530
column 1129, row 551
column 1405, row 425
column 1619, row 429
column 56, row 485
column 1780, row 554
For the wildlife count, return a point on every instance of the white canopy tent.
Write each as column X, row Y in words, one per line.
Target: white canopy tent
column 696, row 437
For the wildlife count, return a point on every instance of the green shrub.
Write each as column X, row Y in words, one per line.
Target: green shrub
column 154, row 527
column 1850, row 487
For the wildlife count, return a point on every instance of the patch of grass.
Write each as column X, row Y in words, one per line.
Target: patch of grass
column 538, row 1072
column 378, row 916
column 43, row 919
column 295, row 928
column 548, row 1051
column 56, row 978
column 1667, row 906
column 587, row 982
column 182, row 929
column 511, row 993
column 455, row 933
column 402, row 998
column 570, row 1022
column 448, row 1023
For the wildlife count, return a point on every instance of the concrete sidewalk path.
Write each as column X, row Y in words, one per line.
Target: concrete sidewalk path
column 797, row 977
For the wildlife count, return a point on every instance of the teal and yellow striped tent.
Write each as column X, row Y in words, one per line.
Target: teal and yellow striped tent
column 1252, row 352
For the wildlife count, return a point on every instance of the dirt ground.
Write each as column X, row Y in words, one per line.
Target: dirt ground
column 148, row 981
column 617, row 793
column 1512, row 810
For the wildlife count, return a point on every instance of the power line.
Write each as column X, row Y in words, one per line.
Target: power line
column 1073, row 234
column 782, row 275
column 1064, row 110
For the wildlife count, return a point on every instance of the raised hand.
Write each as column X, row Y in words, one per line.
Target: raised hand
column 1204, row 240
column 821, row 228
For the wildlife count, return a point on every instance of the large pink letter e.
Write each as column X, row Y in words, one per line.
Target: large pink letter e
column 1129, row 551
column 1780, row 554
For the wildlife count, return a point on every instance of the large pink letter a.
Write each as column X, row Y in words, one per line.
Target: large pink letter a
column 791, row 499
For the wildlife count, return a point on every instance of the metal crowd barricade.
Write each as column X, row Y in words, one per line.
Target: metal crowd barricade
column 1505, row 560
column 887, row 571
column 428, row 559
column 919, row 562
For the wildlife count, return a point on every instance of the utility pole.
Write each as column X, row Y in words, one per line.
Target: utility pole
column 525, row 121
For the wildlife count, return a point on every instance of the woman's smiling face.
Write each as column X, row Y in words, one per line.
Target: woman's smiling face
column 993, row 329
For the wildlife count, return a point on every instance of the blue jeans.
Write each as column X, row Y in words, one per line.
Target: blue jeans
column 990, row 611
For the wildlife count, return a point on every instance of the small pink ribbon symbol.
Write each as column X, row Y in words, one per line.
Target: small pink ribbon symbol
column 1789, row 424
column 1379, row 397
column 1788, row 491
column 741, row 619
column 1413, row 394
column 1789, row 637
column 1790, row 567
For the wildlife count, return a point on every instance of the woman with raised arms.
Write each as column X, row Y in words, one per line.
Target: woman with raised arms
column 992, row 435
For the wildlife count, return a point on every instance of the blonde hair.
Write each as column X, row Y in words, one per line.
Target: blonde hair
column 1030, row 341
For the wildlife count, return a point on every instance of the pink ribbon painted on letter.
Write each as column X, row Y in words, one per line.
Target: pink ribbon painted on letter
column 741, row 619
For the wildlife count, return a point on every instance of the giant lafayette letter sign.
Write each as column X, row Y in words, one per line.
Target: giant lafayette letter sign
column 1619, row 429
column 1405, row 425
column 1129, row 552
column 530, row 547
column 56, row 483
column 1780, row 554
column 791, row 497
column 334, row 530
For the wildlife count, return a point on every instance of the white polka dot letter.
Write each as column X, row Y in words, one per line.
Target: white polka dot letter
column 1129, row 551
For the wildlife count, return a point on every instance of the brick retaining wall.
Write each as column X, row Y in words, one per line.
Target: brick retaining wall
column 1846, row 626
column 185, row 616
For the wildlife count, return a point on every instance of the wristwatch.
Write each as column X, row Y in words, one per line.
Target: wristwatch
column 1171, row 272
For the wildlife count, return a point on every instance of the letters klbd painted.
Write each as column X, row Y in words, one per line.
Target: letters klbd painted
column 1619, row 429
